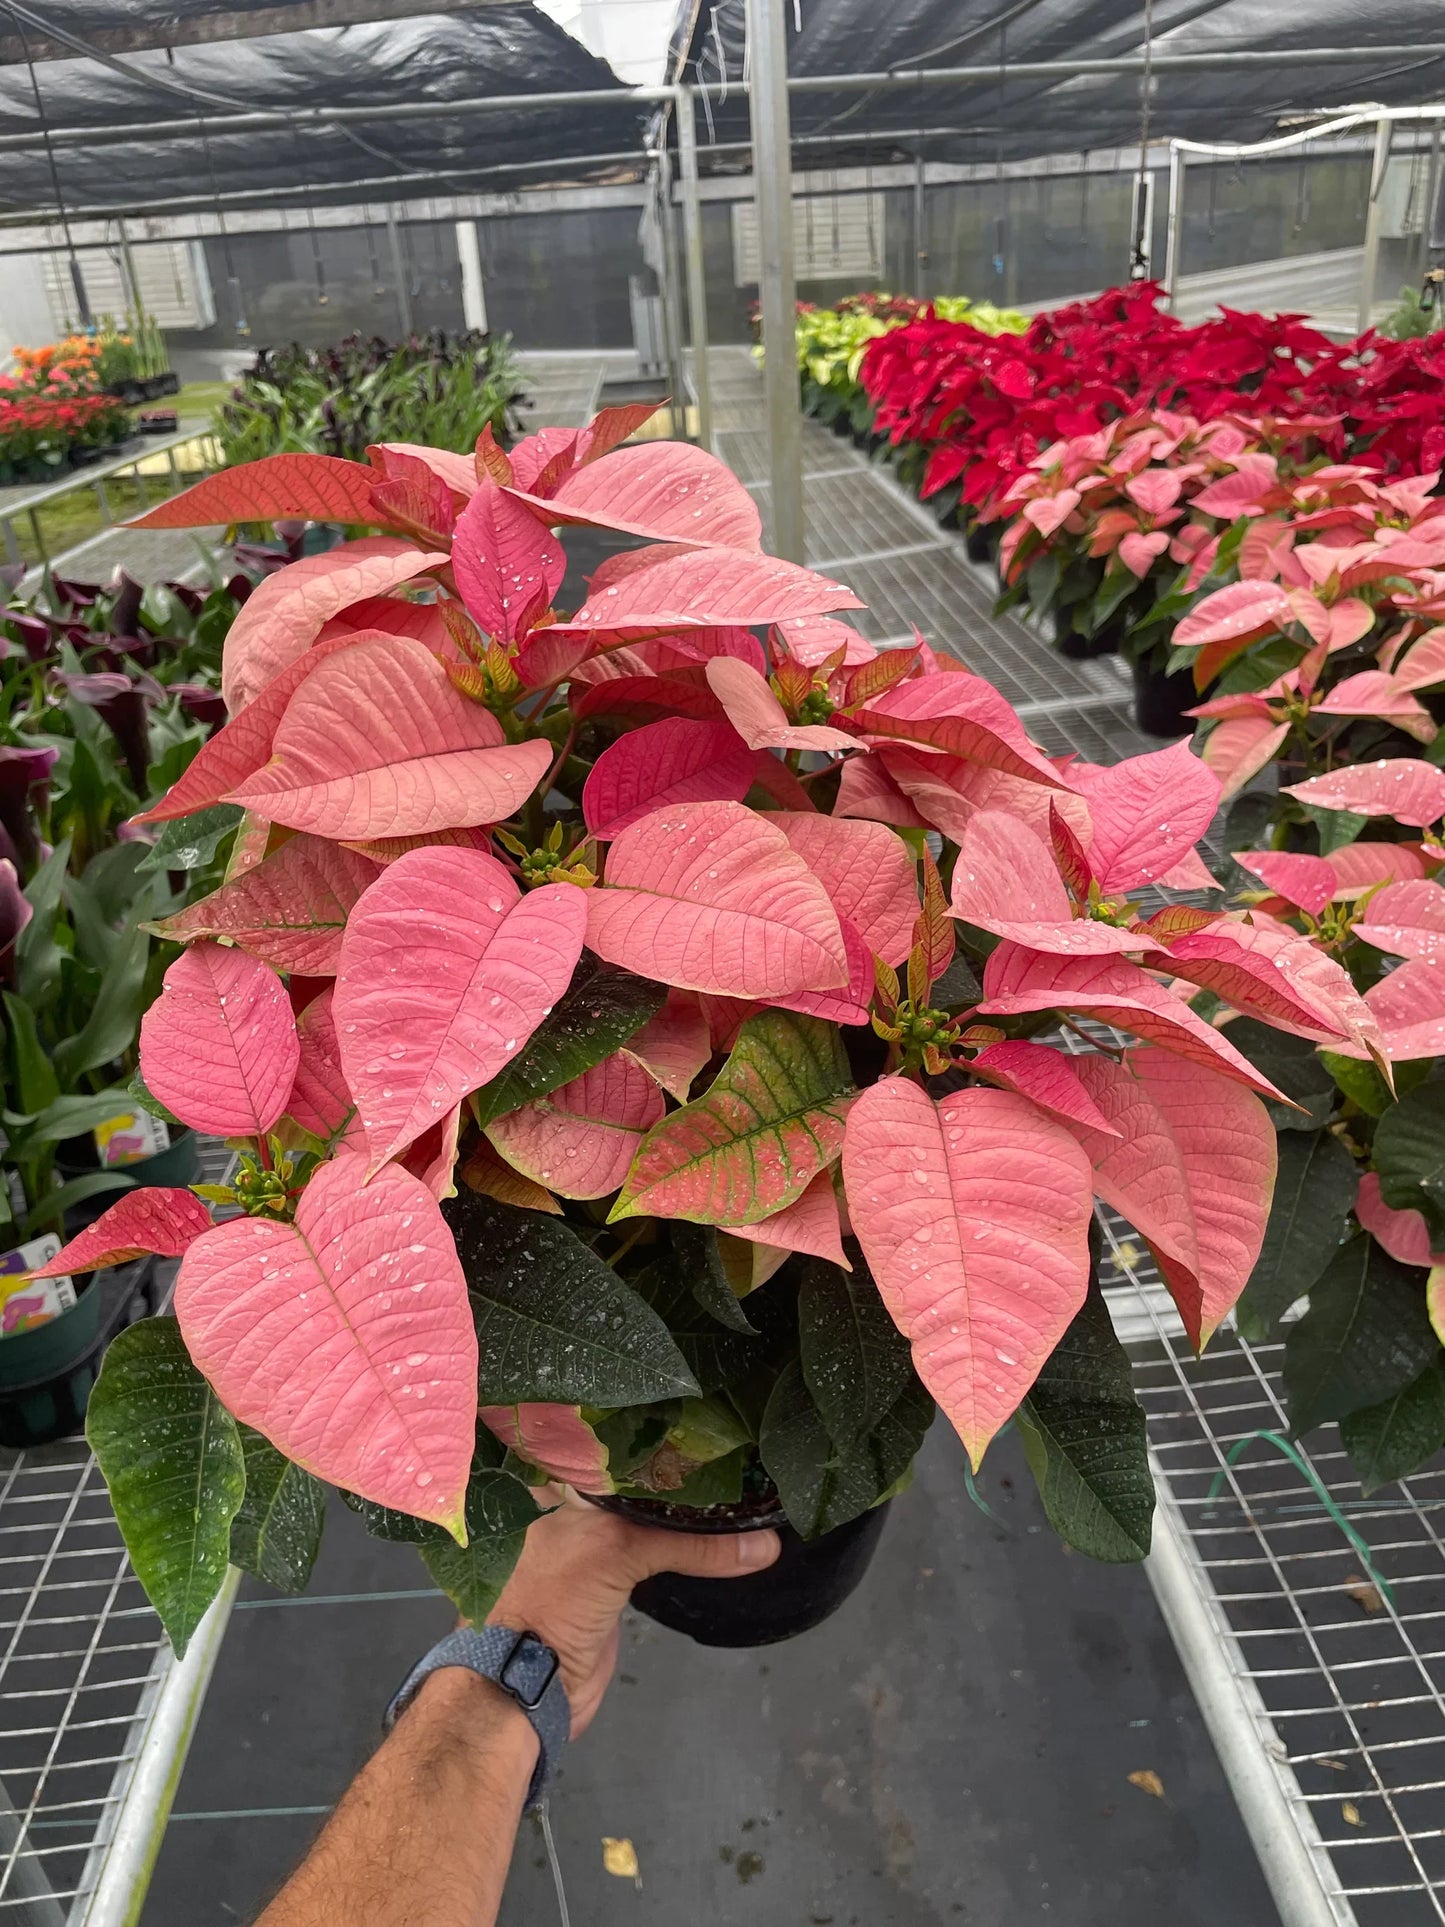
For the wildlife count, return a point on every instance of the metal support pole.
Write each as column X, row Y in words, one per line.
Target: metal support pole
column 474, row 287
column 134, row 304
column 1431, row 255
column 1174, row 226
column 920, row 230
column 778, row 287
column 398, row 268
column 670, row 282
column 696, row 266
column 1370, row 265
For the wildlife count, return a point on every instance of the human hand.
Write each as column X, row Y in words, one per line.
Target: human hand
column 576, row 1571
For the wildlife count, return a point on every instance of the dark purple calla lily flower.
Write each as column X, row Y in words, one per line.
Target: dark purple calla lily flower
column 205, row 704
column 126, row 607
column 33, row 633
column 123, row 706
column 15, row 913
column 24, row 775
column 190, row 599
column 75, row 595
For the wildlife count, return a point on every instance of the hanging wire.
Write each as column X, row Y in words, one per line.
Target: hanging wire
column 1302, row 191
column 76, row 277
column 1141, row 239
column 1000, row 217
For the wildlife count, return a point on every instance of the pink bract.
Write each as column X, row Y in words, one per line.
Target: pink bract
column 219, row 1046
column 346, row 1339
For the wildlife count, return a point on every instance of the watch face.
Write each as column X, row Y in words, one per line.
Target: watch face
column 528, row 1670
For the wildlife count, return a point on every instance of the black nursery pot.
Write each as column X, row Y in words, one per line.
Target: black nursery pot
column 1076, row 646
column 806, row 1584
column 1160, row 700
column 981, row 541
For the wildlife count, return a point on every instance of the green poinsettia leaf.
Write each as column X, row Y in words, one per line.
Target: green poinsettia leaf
column 1314, row 1193
column 191, row 842
column 1084, row 1437
column 695, row 1251
column 855, row 1361
column 554, row 1323
column 823, row 1484
column 277, row 1532
column 1292, row 1065
column 499, row 1509
column 1391, row 1440
column 602, row 1008
column 1410, row 1154
column 171, row 1455
column 1365, row 1337
column 754, row 1141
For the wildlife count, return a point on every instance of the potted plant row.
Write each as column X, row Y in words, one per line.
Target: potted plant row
column 438, row 387
column 983, row 429
column 661, row 1040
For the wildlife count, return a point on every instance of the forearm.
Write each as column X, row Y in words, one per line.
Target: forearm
column 424, row 1836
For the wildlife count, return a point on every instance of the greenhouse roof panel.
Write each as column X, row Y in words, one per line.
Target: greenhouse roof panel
column 1002, row 110
column 183, row 104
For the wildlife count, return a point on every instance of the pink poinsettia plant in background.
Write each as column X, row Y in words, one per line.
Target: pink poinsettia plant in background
column 670, row 1046
column 1356, row 1240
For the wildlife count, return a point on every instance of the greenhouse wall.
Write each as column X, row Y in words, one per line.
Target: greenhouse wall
column 559, row 279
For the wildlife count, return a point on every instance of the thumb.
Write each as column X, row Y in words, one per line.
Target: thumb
column 723, row 1555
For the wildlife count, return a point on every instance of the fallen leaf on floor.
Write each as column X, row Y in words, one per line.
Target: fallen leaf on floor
column 620, row 1857
column 1351, row 1813
column 1148, row 1781
column 1365, row 1595
column 1128, row 1254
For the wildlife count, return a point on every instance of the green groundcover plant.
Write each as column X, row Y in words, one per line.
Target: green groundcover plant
column 441, row 388
column 672, row 1046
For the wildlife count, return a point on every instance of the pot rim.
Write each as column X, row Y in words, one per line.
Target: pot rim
column 660, row 1513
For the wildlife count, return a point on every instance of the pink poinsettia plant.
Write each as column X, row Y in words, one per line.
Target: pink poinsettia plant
column 1352, row 1268
column 670, row 1046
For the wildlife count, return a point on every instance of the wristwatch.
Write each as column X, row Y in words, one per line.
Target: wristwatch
column 528, row 1671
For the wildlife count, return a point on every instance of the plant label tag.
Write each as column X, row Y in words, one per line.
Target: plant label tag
column 28, row 1302
column 131, row 1136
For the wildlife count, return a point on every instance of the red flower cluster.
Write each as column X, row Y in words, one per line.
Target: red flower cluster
column 986, row 405
column 33, row 423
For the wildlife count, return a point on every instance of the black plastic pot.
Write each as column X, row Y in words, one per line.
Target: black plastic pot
column 1160, row 700
column 981, row 541
column 46, row 1374
column 1076, row 646
column 807, row 1584
column 167, row 384
column 85, row 455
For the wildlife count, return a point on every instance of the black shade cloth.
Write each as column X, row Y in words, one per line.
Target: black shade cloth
column 493, row 50
column 998, row 117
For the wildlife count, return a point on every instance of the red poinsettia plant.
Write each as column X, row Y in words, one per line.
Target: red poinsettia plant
column 979, row 411
column 669, row 1045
